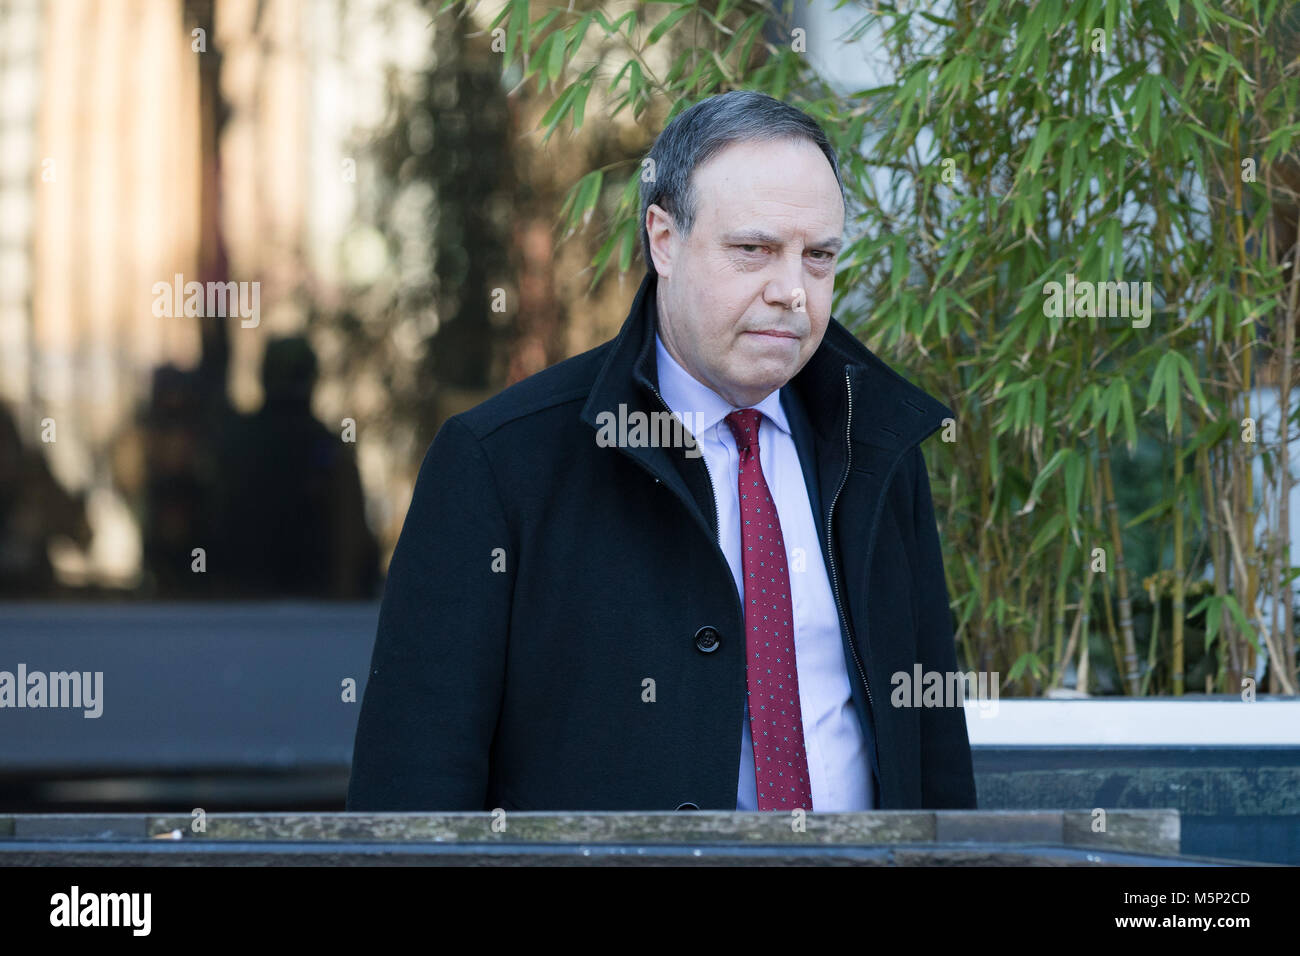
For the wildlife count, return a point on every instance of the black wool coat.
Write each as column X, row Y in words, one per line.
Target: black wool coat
column 542, row 581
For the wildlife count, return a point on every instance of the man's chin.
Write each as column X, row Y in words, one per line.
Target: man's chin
column 763, row 385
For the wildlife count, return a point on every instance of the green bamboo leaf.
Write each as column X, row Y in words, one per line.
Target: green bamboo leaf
column 1026, row 660
column 1062, row 455
column 580, row 104
column 1086, row 398
column 1112, row 407
column 636, row 82
column 538, row 26
column 577, row 33
column 1189, row 376
column 1030, row 35
column 1159, row 508
column 602, row 257
column 629, row 242
column 550, row 119
column 1220, row 302
column 1074, row 474
column 1239, row 616
column 590, row 196
column 939, row 21
column 1204, row 133
column 1212, row 605
column 1172, row 395
column 1067, row 167
column 1158, row 381
column 1130, row 426
column 1050, row 530
column 667, row 23
column 554, row 58
column 518, row 32
column 1042, row 139
column 899, row 266
column 613, row 84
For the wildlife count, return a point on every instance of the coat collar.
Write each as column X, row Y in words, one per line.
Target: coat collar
column 888, row 411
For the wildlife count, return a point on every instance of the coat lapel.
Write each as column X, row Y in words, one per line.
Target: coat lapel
column 629, row 378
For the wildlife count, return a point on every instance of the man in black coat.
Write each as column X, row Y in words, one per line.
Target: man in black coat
column 687, row 568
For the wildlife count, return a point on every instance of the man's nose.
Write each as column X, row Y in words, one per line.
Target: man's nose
column 787, row 286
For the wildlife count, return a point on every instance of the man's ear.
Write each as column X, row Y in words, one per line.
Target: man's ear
column 661, row 229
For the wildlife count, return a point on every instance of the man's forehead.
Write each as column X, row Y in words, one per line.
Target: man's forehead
column 751, row 189
column 764, row 216
column 750, row 164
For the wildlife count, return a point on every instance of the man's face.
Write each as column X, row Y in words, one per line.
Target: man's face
column 744, row 300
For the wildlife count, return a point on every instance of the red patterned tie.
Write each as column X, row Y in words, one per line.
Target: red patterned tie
column 775, row 719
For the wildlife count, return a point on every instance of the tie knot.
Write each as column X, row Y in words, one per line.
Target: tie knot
column 744, row 425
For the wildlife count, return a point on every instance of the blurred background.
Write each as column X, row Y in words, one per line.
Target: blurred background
column 253, row 253
column 369, row 173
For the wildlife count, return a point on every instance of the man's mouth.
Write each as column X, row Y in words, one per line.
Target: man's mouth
column 774, row 333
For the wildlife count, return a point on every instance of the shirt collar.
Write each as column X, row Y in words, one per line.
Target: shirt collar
column 683, row 393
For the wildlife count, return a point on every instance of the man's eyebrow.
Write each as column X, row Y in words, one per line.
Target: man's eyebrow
column 758, row 237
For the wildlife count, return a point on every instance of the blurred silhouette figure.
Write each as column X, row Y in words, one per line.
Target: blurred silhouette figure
column 178, row 487
column 290, row 504
column 34, row 510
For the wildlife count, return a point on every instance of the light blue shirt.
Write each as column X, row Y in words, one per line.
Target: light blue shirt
column 839, row 770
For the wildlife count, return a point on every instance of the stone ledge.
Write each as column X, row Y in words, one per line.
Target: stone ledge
column 1140, row 831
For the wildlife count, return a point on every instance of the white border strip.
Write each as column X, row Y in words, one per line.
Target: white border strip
column 1099, row 722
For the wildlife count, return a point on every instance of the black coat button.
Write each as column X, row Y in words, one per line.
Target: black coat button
column 687, row 806
column 707, row 639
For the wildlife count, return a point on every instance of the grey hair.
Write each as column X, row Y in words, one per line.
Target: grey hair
column 699, row 133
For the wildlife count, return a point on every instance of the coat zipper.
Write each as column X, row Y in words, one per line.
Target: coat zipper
column 830, row 544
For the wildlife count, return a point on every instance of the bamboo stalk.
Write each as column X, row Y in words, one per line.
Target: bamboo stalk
column 1058, row 618
column 1288, row 662
column 1239, row 558
column 1081, row 684
column 1215, row 534
column 1177, row 664
column 1080, row 619
column 1154, row 593
column 1180, row 585
column 1245, row 519
column 1130, row 672
column 982, row 638
column 1058, row 669
column 1111, row 631
column 1284, row 590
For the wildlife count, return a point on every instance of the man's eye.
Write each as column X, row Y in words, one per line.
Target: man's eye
column 822, row 252
column 748, row 247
